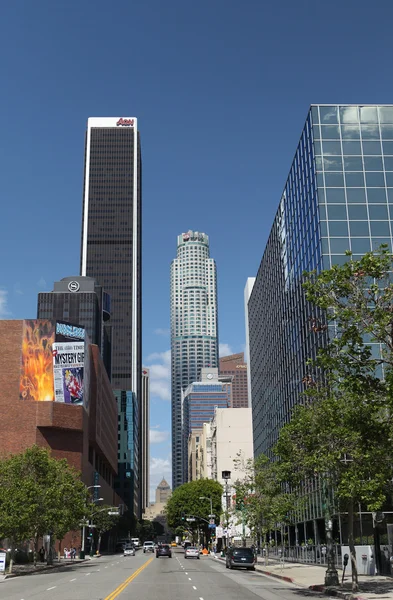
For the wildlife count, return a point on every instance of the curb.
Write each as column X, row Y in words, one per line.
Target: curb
column 43, row 570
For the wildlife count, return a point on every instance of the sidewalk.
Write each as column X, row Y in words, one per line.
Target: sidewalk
column 313, row 576
column 29, row 569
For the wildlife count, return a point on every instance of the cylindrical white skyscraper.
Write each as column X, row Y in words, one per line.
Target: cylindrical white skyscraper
column 194, row 329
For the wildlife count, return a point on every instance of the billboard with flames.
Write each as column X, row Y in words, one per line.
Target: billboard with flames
column 53, row 358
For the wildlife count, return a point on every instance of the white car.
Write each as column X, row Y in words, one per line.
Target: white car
column 149, row 547
column 191, row 552
column 129, row 550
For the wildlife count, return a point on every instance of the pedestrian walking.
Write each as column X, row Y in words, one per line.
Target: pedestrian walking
column 41, row 553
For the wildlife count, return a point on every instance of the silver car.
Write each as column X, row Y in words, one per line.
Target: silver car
column 129, row 550
column 191, row 552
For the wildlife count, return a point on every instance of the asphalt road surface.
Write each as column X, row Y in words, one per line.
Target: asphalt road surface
column 145, row 577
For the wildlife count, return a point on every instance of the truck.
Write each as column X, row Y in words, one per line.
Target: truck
column 178, row 540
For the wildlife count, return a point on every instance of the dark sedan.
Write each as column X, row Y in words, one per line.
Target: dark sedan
column 164, row 550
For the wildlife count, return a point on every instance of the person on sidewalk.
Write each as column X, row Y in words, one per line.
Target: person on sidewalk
column 41, row 553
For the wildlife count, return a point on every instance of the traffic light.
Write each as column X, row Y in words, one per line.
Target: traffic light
column 183, row 516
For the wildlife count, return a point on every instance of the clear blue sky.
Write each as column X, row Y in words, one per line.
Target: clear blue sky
column 221, row 90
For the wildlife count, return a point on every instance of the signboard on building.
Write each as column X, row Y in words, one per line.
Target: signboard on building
column 2, row 561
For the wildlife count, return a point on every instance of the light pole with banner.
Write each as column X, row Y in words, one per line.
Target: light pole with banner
column 226, row 475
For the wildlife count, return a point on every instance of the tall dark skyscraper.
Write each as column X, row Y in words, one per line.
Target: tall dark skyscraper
column 111, row 249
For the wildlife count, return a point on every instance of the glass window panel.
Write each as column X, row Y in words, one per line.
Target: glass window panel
column 318, row 163
column 375, row 179
column 324, row 230
column 330, row 132
column 356, row 196
column 368, row 114
column 337, row 211
column 360, row 245
column 320, row 181
column 379, row 228
column 371, row 148
column 338, row 228
column 332, row 148
column 359, row 228
column 321, row 196
column 376, row 242
column 387, row 132
column 349, row 114
column 376, row 195
column 317, row 147
column 322, row 212
column 378, row 212
column 328, row 114
column 387, row 147
column 390, row 195
column 353, row 163
column 370, row 132
column 354, row 179
column 317, row 132
column 357, row 212
column 334, row 180
column 350, row 132
column 373, row 163
column 388, row 160
column 339, row 260
column 335, row 195
column 386, row 114
column 339, row 245
column 352, row 148
column 332, row 163
column 325, row 246
column 314, row 114
column 389, row 179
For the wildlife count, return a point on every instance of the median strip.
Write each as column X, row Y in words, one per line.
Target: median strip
column 125, row 583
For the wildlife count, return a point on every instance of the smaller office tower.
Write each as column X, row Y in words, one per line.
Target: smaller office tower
column 145, row 426
column 128, row 481
column 194, row 332
column 80, row 301
column 234, row 365
column 200, row 400
column 163, row 492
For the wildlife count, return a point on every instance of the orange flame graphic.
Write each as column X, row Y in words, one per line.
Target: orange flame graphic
column 37, row 363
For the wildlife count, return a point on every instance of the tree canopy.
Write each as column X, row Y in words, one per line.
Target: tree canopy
column 186, row 501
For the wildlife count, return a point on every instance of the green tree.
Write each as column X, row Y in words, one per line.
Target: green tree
column 38, row 495
column 192, row 500
column 262, row 497
column 342, row 433
column 103, row 520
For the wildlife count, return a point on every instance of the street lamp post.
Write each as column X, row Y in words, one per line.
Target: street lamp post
column 82, row 552
column 226, row 475
column 91, row 526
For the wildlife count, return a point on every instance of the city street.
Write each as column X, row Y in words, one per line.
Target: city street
column 146, row 577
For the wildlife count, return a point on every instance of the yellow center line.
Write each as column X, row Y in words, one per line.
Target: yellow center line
column 125, row 583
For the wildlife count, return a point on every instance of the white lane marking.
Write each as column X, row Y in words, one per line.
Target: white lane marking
column 186, row 573
column 194, row 587
column 51, row 588
column 97, row 570
column 106, row 567
column 189, row 579
column 86, row 574
column 200, row 598
column 73, row 579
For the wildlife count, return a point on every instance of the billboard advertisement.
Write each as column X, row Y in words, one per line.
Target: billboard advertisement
column 53, row 360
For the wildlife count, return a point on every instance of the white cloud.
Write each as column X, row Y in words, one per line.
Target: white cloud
column 160, row 331
column 4, row 312
column 225, row 350
column 157, row 437
column 159, row 364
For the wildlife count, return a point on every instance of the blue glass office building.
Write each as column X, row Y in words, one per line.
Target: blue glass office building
column 127, row 481
column 338, row 196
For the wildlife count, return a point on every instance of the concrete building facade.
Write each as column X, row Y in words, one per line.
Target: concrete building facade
column 235, row 366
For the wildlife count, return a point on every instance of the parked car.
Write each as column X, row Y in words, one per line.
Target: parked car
column 191, row 552
column 163, row 550
column 129, row 550
column 148, row 547
column 240, row 558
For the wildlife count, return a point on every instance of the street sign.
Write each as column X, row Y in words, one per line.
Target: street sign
column 113, row 513
column 2, row 561
column 212, row 516
column 190, row 519
column 211, row 521
column 212, row 525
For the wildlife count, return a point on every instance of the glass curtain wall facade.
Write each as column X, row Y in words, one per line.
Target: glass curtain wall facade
column 127, row 480
column 338, row 197
column 194, row 330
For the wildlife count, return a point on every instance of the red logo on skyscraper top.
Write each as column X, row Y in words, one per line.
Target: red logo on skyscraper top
column 125, row 122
